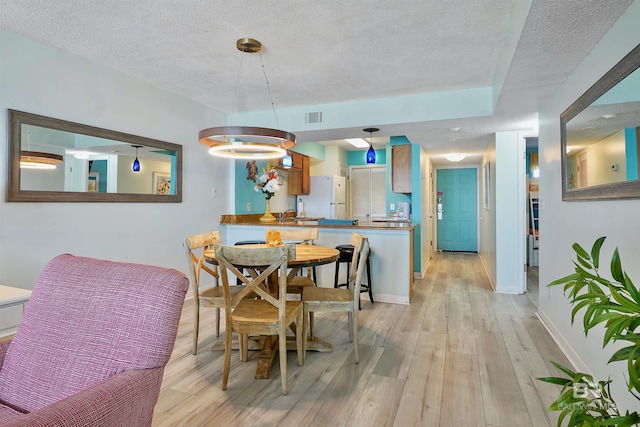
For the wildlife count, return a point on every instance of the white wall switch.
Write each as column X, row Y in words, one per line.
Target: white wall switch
column 248, row 206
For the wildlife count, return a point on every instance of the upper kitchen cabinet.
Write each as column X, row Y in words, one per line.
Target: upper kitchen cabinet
column 299, row 181
column 401, row 168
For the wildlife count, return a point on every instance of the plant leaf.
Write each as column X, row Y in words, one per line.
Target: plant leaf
column 595, row 251
column 580, row 252
column 616, row 267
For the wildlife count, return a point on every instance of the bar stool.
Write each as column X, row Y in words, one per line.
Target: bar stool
column 346, row 254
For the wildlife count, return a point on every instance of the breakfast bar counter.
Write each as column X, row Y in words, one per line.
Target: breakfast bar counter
column 391, row 250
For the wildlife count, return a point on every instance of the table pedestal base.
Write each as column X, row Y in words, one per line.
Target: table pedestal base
column 268, row 346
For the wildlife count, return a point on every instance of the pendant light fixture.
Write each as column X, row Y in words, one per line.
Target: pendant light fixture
column 248, row 142
column 371, row 153
column 36, row 159
column 287, row 161
column 136, row 162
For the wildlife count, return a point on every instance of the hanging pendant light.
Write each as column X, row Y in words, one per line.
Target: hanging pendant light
column 371, row 153
column 248, row 142
column 36, row 159
column 287, row 161
column 136, row 162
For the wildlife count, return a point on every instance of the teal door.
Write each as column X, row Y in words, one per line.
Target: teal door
column 457, row 210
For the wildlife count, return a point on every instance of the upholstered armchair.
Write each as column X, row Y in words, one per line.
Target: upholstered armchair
column 92, row 345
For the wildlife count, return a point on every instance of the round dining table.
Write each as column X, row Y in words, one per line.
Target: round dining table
column 306, row 256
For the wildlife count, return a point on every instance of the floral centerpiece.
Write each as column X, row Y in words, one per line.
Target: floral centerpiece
column 268, row 183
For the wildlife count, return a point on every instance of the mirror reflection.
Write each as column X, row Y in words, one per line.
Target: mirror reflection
column 55, row 160
column 600, row 133
column 602, row 139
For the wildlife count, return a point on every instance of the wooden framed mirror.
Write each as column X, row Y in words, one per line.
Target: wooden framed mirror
column 600, row 133
column 52, row 160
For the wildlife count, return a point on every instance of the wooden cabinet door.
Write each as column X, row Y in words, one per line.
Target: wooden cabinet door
column 401, row 168
column 305, row 178
column 299, row 180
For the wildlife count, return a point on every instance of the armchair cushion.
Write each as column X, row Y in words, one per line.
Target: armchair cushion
column 87, row 321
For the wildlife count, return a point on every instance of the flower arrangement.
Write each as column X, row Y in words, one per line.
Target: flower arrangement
column 268, row 182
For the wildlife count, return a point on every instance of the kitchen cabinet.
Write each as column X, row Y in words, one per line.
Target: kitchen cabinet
column 299, row 181
column 401, row 168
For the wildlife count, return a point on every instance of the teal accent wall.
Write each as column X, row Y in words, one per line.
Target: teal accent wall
column 359, row 158
column 244, row 189
column 100, row 166
column 174, row 172
column 414, row 198
column 631, row 153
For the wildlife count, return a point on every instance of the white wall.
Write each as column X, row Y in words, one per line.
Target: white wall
column 487, row 248
column 563, row 223
column 510, row 212
column 38, row 79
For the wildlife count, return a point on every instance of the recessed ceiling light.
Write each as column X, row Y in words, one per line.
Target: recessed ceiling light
column 358, row 142
column 455, row 129
column 455, row 157
column 608, row 116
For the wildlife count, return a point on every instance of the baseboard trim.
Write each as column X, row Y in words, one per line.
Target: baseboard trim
column 574, row 358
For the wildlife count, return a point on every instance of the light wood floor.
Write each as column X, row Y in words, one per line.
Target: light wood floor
column 459, row 355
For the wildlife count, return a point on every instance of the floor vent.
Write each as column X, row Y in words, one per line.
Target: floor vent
column 313, row 117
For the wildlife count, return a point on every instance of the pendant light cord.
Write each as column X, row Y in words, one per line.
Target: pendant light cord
column 269, row 90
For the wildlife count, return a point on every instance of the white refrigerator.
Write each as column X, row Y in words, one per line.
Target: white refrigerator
column 327, row 198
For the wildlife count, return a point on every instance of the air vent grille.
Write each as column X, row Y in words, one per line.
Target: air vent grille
column 313, row 117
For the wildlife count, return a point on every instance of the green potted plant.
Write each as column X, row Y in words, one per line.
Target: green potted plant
column 615, row 304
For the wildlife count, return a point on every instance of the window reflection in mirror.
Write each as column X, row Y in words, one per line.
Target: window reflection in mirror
column 97, row 164
column 600, row 133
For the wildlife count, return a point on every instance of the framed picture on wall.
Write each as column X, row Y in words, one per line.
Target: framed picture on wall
column 487, row 184
column 161, row 183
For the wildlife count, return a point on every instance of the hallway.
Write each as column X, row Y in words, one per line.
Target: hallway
column 459, row 355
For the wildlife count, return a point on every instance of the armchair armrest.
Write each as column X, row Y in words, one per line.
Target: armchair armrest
column 115, row 402
column 4, row 346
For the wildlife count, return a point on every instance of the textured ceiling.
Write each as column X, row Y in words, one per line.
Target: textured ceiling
column 333, row 51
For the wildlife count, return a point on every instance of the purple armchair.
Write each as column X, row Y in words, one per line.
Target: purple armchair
column 92, row 345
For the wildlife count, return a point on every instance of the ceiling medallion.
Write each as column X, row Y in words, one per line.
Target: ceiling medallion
column 247, row 142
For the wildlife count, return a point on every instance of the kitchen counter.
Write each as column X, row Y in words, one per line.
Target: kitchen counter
column 290, row 221
column 391, row 250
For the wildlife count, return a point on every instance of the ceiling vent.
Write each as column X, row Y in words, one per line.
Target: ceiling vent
column 313, row 117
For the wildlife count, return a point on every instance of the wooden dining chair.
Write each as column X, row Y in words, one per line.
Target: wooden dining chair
column 207, row 294
column 339, row 299
column 305, row 236
column 269, row 315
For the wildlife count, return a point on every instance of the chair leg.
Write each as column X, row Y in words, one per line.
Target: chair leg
column 350, row 324
column 243, row 346
column 282, row 343
column 217, row 321
column 301, row 338
column 369, row 280
column 354, row 321
column 305, row 325
column 227, row 358
column 312, row 323
column 196, row 325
